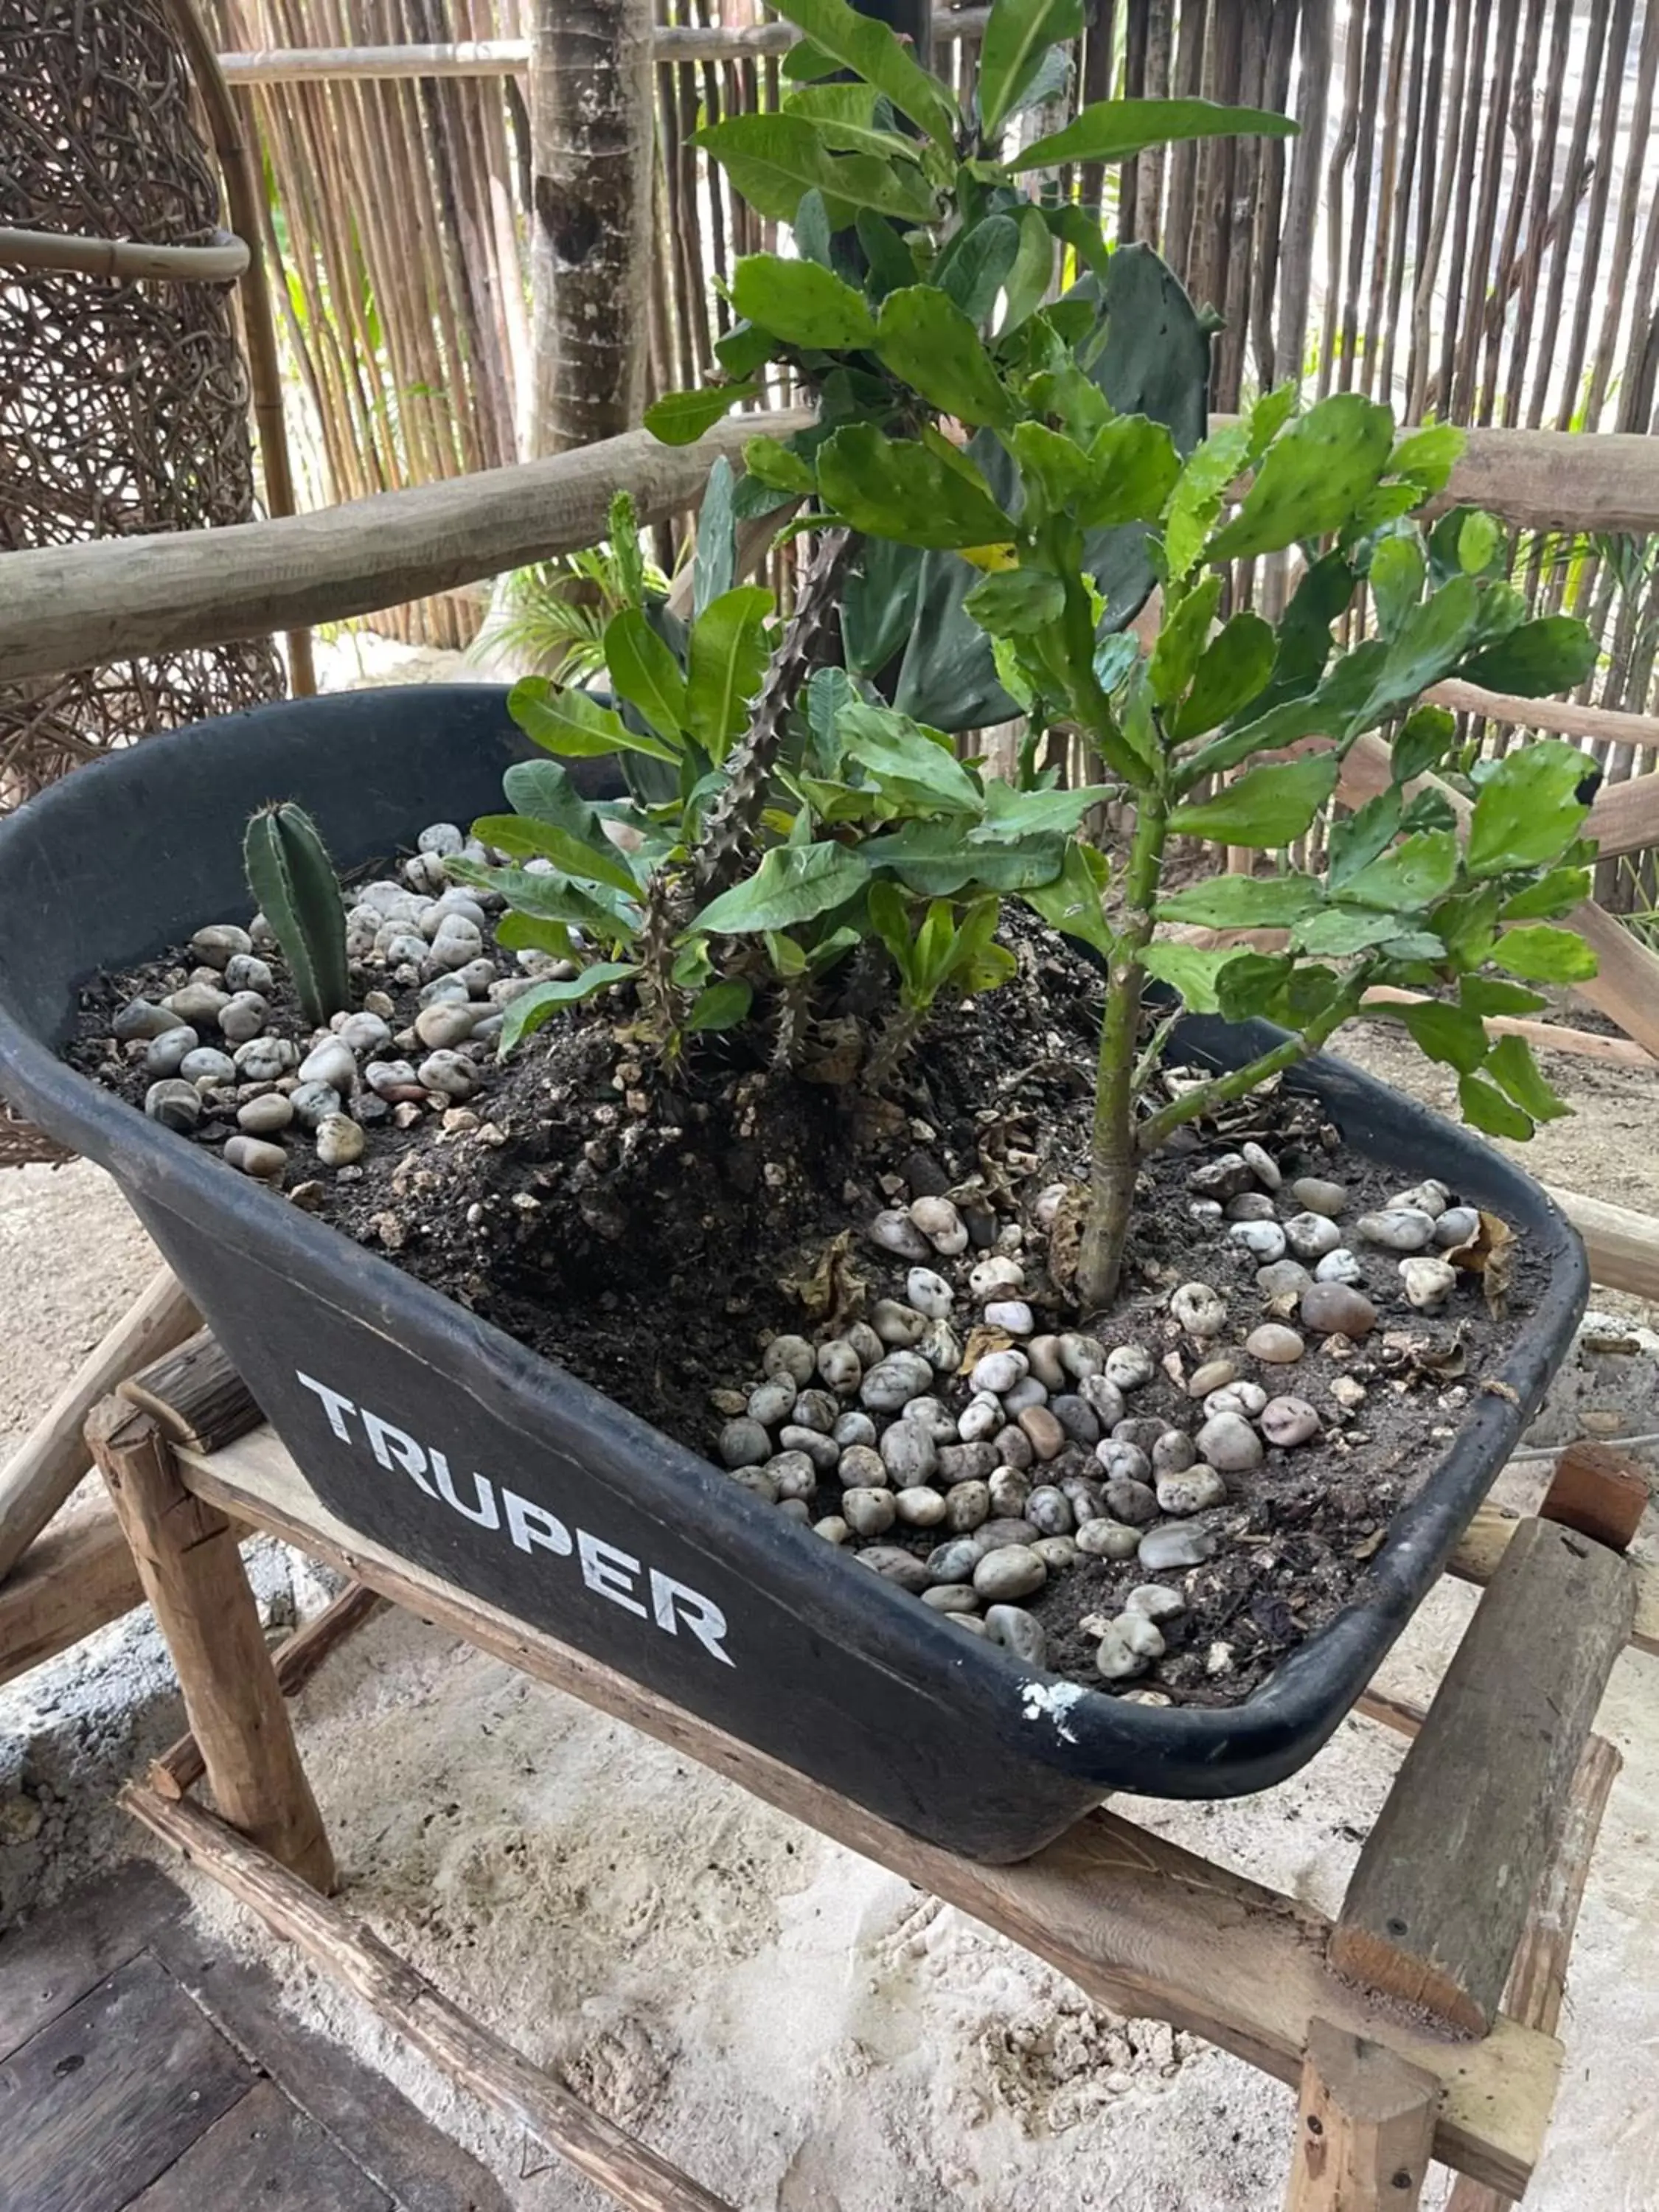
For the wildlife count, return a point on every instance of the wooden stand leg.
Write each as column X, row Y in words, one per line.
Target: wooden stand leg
column 192, row 1574
column 1363, row 2128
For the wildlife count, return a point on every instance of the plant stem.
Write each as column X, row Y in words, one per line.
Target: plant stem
column 1112, row 1159
column 898, row 1033
column 1239, row 1082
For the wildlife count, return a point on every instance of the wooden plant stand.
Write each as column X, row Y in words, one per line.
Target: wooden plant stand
column 1392, row 2019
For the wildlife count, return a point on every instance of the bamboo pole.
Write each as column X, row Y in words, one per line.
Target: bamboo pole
column 129, row 259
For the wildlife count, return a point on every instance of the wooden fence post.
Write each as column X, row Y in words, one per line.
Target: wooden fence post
column 592, row 136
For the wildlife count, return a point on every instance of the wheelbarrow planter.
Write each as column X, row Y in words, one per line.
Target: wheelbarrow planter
column 436, row 1436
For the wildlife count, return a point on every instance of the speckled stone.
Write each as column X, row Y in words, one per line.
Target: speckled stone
column 1338, row 1309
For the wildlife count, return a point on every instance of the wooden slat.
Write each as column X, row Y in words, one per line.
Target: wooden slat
column 1547, row 1037
column 1600, row 1491
column 1626, row 816
column 263, row 2153
column 481, row 2061
column 195, row 1395
column 114, row 598
column 1623, row 1245
column 50, row 1963
column 1479, row 1553
column 1137, row 1923
column 1567, row 717
column 1440, row 1896
column 72, row 1581
column 1363, row 2127
column 54, row 1457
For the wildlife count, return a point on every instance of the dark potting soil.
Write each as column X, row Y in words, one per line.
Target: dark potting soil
column 651, row 1226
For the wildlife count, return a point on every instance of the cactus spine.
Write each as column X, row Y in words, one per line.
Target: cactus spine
column 296, row 888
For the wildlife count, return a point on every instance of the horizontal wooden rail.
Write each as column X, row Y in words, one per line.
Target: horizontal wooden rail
column 221, row 263
column 1622, row 1245
column 1601, row 725
column 511, row 56
column 73, row 606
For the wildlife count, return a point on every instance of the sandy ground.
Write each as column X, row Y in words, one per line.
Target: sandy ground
column 801, row 2031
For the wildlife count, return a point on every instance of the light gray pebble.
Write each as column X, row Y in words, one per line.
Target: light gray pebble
column 1008, row 1490
column 1103, row 1539
column 1050, row 1510
column 214, row 946
column 1192, row 1491
column 1140, row 1632
column 245, row 971
column 929, row 1293
column 955, row 1560
column 339, row 1141
column 1431, row 1197
column 840, row 1366
column 998, row 1277
column 1116, row 1657
column 387, row 896
column 981, row 1417
column 208, row 1065
column 1007, row 1576
column 897, row 1325
column 895, row 1231
column 918, row 1507
column 1012, row 1448
column 1289, row 1421
column 401, row 948
column 1261, row 1165
column 1339, row 1267
column 868, row 1512
column 1104, row 1399
column 940, row 1347
column 1121, row 1461
column 1057, row 1552
column 967, row 1507
column 266, row 1059
column 251, row 1156
column 1077, row 1417
column 1004, row 1529
column 865, row 1341
column 1282, row 1279
column 444, row 1022
column 457, row 942
column 1457, row 1226
column 447, row 1072
column 1264, row 1238
column 897, row 1565
column 951, row 1597
column 1026, row 1393
column 265, row 1116
column 1243, row 1398
column 141, row 1018
column 1018, row 1632
column 1250, row 1206
column 385, row 1075
column 1081, row 1356
column 1213, row 1375
column 1129, row 1366
column 243, row 1016
column 861, row 1467
column 823, row 1452
column 441, row 838
column 175, row 1103
column 967, row 1621
column 1174, row 1452
column 331, row 1062
column 743, row 1443
column 790, row 1356
column 1319, row 1196
column 972, row 1463
column 1336, row 1308
column 312, row 1103
column 792, row 1473
column 854, row 1428
column 793, row 1509
column 1043, row 1352
column 1141, row 1429
column 1429, row 1279
column 1155, row 1601
column 1397, row 1228
column 1175, row 1544
column 1223, row 1177
column 893, row 1382
column 757, row 1482
column 1083, row 1496
column 448, row 990
column 1204, row 1209
column 455, row 900
column 1012, row 1314
column 999, row 1372
column 941, row 1224
column 908, row 1454
column 165, row 1055
column 1201, row 1311
column 832, row 1529
column 772, row 1403
column 505, row 988
column 937, row 1419
column 816, row 1409
column 1228, row 1442
column 198, row 1004
column 1311, row 1236
column 1275, row 1344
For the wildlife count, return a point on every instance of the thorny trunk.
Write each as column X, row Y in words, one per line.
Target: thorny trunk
column 591, row 229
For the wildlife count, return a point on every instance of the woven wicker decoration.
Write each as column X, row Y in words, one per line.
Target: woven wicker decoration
column 124, row 407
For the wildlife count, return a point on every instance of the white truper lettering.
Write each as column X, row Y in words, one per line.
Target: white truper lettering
column 609, row 1571
column 484, row 1511
column 333, row 1405
column 528, row 1526
column 673, row 1602
column 395, row 1451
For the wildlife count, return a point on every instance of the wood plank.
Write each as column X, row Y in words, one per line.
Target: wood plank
column 1137, row 1923
column 54, row 1457
column 1538, row 1981
column 71, row 1581
column 419, row 2167
column 1623, row 1245
column 1566, row 717
column 1364, row 2129
column 481, row 2061
column 1600, row 1492
column 195, row 1395
column 1625, row 817
column 112, row 598
column 264, row 2152
column 49, row 1964
column 110, row 2094
column 1481, row 1550
column 1439, row 1898
column 188, row 1561
column 1547, row 1036
column 181, row 1766
column 1557, row 479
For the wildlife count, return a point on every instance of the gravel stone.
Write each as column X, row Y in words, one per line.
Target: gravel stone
column 790, row 1356
column 1007, row 1576
column 243, row 1016
column 1201, row 1311
column 1173, row 1545
column 1057, row 1552
column 265, row 1116
column 816, row 1409
column 1430, row 1196
column 1457, row 1226
column 1338, row 1309
column 893, row 1382
column 314, row 1102
column 1104, row 1399
column 1012, row 1314
column 176, row 1105
column 1222, row 1178
column 199, row 1005
column 219, row 944
column 1043, row 1352
column 1282, row 1279
column 998, row 1371
column 1339, row 1267
column 941, row 1224
column 918, row 1507
column 1397, row 1228
column 743, row 1443
column 930, row 1294
column 1129, row 1366
column 165, row 1055
column 941, row 1347
column 449, row 1073
column 894, row 1565
column 1227, row 1442
column 840, row 1366
column 868, row 1512
column 1261, row 1165
column 1008, row 1492
column 1288, row 1421
column 1273, row 1342
column 253, row 1157
column 854, row 1428
column 1050, row 1510
column 981, row 1417
column 386, row 1078
column 1121, row 1460
column 1265, row 1238
column 208, row 1065
column 1046, row 1434
column 1193, row 1492
column 1245, row 1398
column 1155, row 1601
column 832, row 1529
column 1428, row 1281
column 1077, row 1419
column 997, row 1277
column 1174, row 1452
column 861, row 1467
column 773, row 1402
column 955, row 1561
column 1012, row 1448
column 823, row 1452
column 1250, row 1206
column 967, row 1507
column 1026, row 1393
column 951, row 1597
column 792, row 1473
column 974, row 1462
column 1213, row 1375
column 1018, row 1632
column 1311, row 1236
column 897, row 1325
column 937, row 1420
column 908, row 1454
column 340, row 1141
column 1108, row 1540
column 140, row 1017
column 1319, row 1196
column 895, row 1231
column 1081, row 1356
column 444, row 1022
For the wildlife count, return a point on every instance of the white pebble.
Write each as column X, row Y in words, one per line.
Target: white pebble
column 1311, row 1236
column 450, row 1074
column 1429, row 1282
column 1265, row 1238
column 981, row 1418
column 331, row 1062
column 1262, row 1165
column 1431, row 1197
column 998, row 1371
column 1201, row 1311
column 929, row 1293
column 941, row 1224
column 1011, row 1313
column 1128, row 1366
column 339, row 1140
column 1457, row 1226
column 895, row 1231
column 994, row 1277
column 1339, row 1267
column 1397, row 1228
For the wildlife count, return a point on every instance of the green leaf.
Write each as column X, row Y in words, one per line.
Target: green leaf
column 571, row 723
column 1009, row 813
column 1189, row 972
column 743, row 349
column 1552, row 896
column 1134, row 467
column 1032, row 271
column 715, row 561
column 545, row 791
column 846, row 115
column 1203, row 478
column 1489, row 994
column 771, row 462
column 1243, row 901
column 889, row 487
column 1267, row 806
column 1425, row 647
column 528, row 932
column 1182, row 641
column 802, row 304
column 889, row 917
column 1424, row 739
column 974, row 271
column 1511, row 1066
column 1070, row 900
column 1268, row 417
column 1413, row 874
column 1529, row 809
column 1115, row 130
column 1312, row 479
column 1484, row 1107
column 593, row 907
column 827, row 690
column 1014, row 602
column 523, row 1016
column 645, row 672
column 1543, row 955
column 925, row 337
column 773, row 159
column 1017, row 38
column 680, row 418
column 1551, row 654
column 935, row 860
column 792, row 884
column 1399, row 567
column 727, row 656
column 1340, row 931
column 1479, row 542
column 721, row 1006
column 892, row 264
column 870, row 49
column 1360, row 837
column 1251, row 984
column 1231, row 670
column 905, row 761
column 1428, row 456
column 1452, row 1034
column 1051, row 464
column 522, row 838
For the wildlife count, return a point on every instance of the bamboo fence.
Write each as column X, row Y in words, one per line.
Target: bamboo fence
column 1469, row 226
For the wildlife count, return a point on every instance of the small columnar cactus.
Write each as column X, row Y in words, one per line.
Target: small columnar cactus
column 295, row 885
